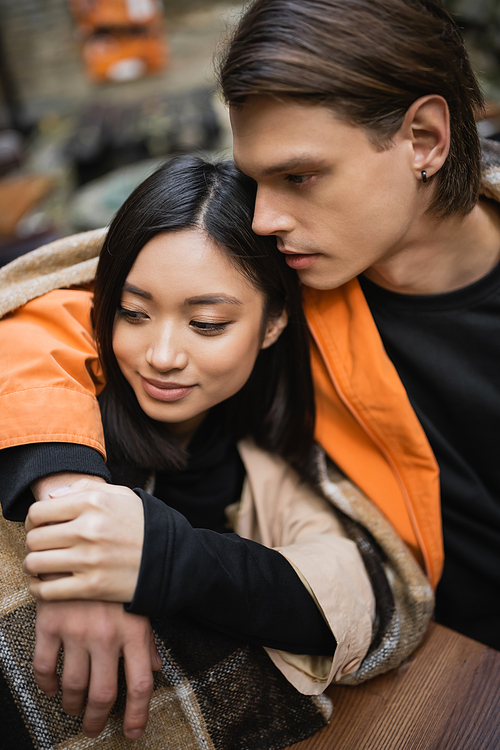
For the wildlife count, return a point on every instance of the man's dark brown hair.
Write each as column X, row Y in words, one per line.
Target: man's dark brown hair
column 368, row 60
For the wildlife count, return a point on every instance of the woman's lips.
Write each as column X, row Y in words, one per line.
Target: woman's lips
column 298, row 260
column 165, row 391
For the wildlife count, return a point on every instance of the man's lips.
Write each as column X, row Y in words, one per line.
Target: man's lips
column 299, row 260
column 165, row 391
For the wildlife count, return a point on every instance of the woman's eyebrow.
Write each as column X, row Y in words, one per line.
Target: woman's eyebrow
column 212, row 299
column 135, row 290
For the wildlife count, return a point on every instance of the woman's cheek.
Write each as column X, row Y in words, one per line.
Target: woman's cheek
column 125, row 345
column 118, row 336
column 234, row 365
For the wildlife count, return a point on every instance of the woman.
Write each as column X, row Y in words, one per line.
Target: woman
column 209, row 387
column 204, row 348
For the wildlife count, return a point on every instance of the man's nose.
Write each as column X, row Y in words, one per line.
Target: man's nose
column 166, row 351
column 270, row 214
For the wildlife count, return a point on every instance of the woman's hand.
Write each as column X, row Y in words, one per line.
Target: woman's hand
column 95, row 533
column 94, row 635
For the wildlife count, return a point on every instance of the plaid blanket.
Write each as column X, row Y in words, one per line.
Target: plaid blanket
column 213, row 692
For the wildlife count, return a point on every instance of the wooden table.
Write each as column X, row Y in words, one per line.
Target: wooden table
column 445, row 697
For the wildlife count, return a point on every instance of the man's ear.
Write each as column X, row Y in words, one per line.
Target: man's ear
column 427, row 127
column 274, row 329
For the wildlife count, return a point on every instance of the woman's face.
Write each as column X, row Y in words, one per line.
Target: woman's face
column 189, row 328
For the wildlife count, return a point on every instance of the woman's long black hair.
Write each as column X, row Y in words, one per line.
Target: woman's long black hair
column 276, row 405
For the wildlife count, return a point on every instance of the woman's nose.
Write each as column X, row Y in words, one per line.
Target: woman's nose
column 270, row 215
column 166, row 352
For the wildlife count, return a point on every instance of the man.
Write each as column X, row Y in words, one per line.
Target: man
column 357, row 122
column 367, row 163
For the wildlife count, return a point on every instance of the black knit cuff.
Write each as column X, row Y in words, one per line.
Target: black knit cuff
column 22, row 465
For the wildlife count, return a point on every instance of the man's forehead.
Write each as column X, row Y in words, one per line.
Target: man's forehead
column 267, row 111
column 278, row 136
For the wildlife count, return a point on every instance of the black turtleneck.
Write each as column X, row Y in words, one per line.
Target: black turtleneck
column 212, row 480
column 445, row 349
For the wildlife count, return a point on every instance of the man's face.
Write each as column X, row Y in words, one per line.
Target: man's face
column 336, row 205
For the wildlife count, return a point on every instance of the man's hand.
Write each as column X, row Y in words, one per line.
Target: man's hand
column 93, row 531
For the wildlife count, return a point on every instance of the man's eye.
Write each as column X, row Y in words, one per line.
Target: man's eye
column 205, row 327
column 298, row 179
column 132, row 316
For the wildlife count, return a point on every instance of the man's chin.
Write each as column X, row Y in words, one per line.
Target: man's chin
column 316, row 280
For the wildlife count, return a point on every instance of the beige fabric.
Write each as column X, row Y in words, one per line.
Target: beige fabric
column 280, row 511
column 412, row 592
column 67, row 262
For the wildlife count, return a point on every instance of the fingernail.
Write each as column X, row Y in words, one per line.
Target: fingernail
column 134, row 734
column 159, row 660
column 58, row 491
column 51, row 693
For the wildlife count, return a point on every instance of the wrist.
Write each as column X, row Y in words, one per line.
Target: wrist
column 43, row 486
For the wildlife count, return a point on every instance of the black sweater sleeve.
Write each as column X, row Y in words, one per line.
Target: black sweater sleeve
column 232, row 584
column 22, row 465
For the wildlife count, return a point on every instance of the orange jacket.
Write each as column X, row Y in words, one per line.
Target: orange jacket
column 366, row 424
column 50, row 373
column 365, row 421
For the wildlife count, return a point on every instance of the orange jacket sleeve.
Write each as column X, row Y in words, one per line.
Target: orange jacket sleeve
column 50, row 373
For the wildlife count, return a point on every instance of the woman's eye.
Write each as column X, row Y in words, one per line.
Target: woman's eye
column 132, row 316
column 205, row 327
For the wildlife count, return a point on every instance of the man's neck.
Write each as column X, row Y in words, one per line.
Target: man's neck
column 443, row 254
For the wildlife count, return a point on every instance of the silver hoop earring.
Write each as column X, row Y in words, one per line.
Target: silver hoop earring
column 424, row 175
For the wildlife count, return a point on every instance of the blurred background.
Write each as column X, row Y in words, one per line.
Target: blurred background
column 95, row 93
